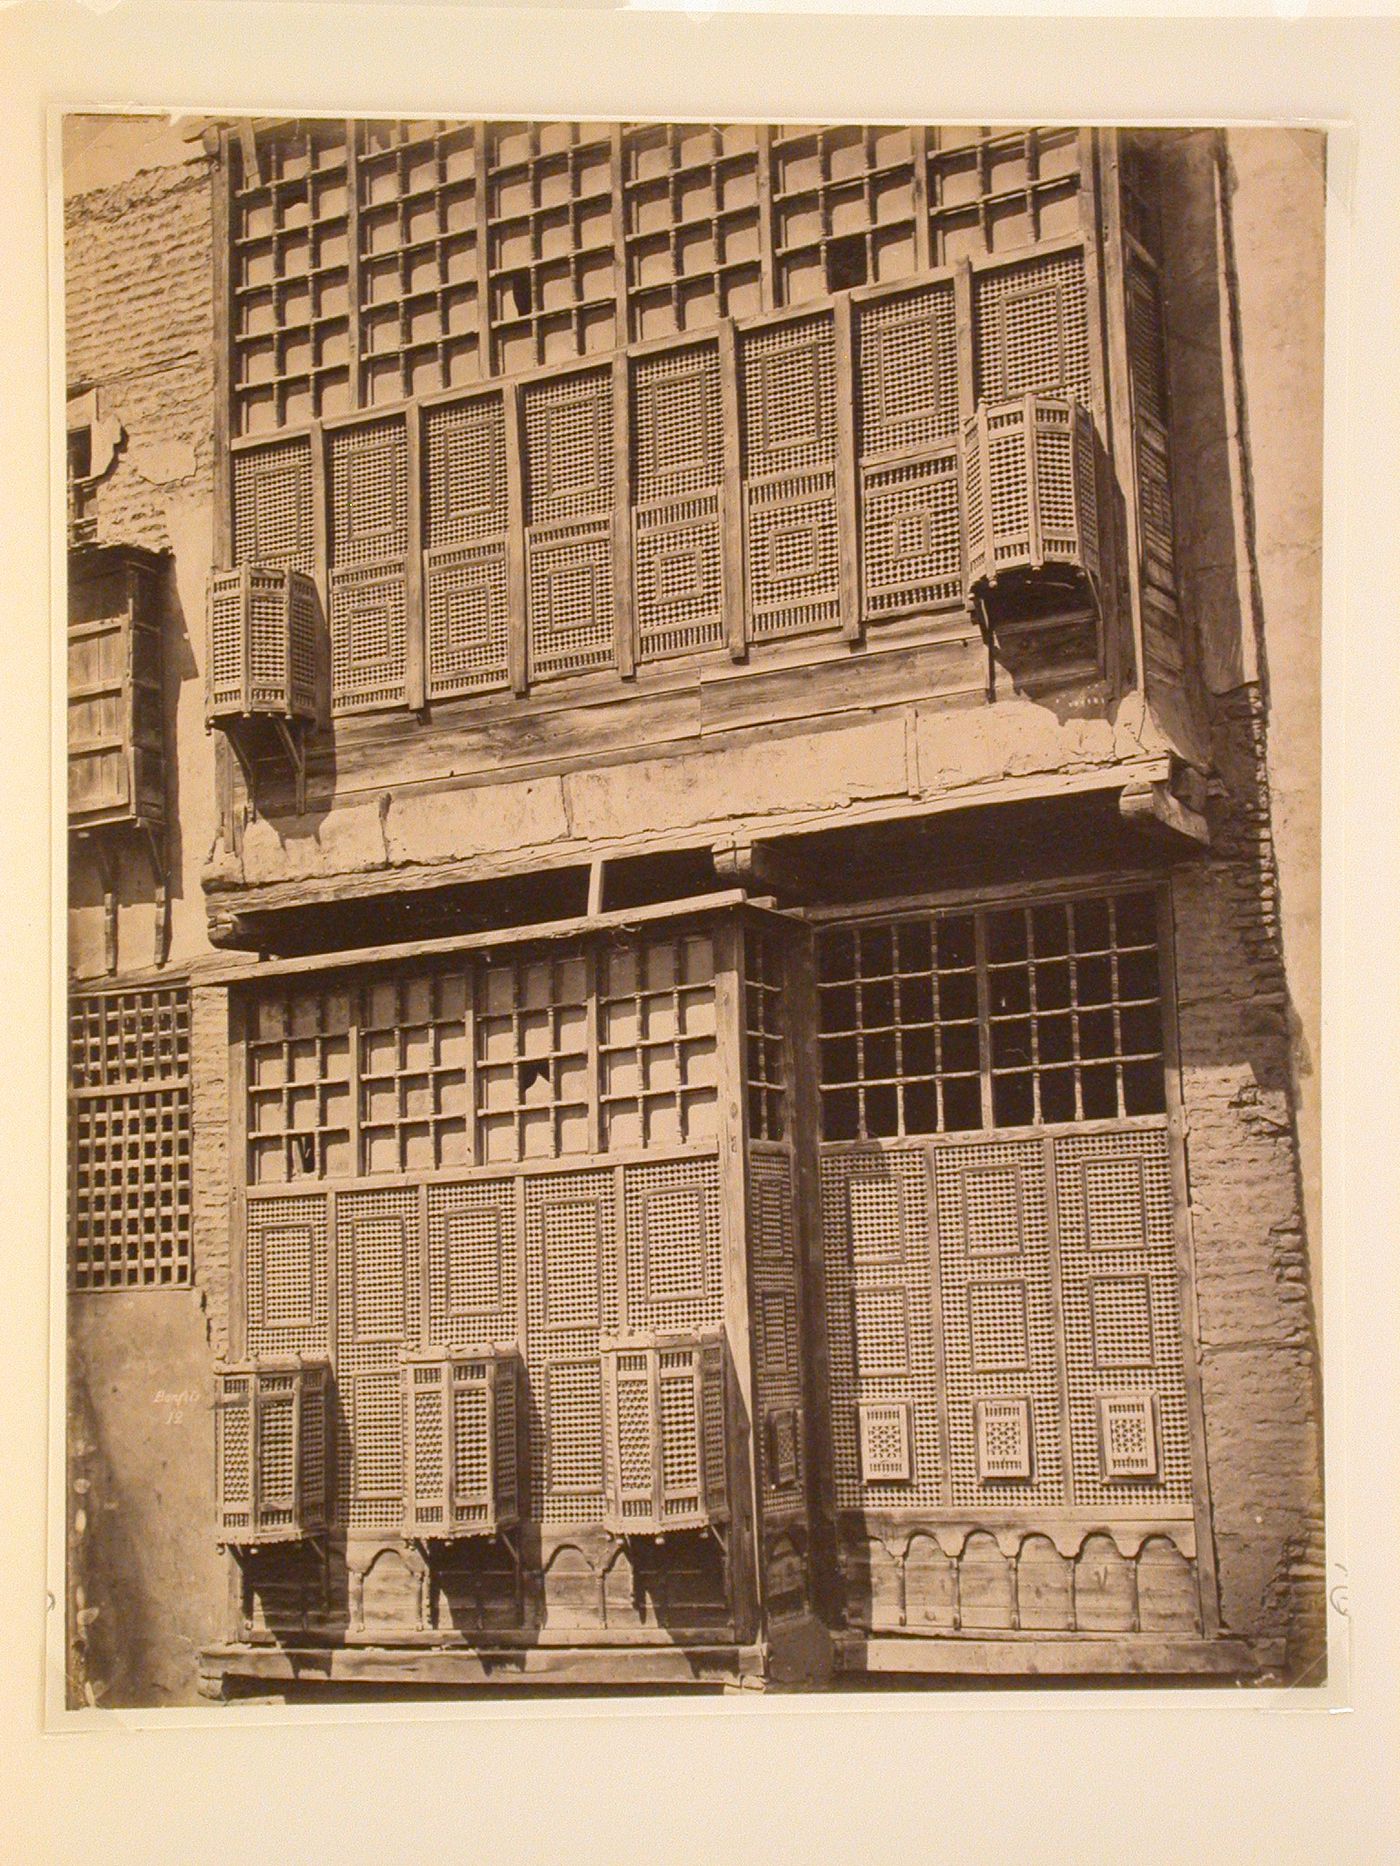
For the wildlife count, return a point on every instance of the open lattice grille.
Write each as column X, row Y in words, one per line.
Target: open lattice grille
column 657, row 1042
column 1007, row 1017
column 993, row 190
column 419, row 314
column 551, row 254
column 129, row 1140
column 845, row 207
column 369, row 539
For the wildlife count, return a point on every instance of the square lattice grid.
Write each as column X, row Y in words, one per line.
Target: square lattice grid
column 992, row 190
column 290, row 276
column 413, row 1073
column 551, row 253
column 300, row 1092
column 657, row 1054
column 898, row 1011
column 129, row 1140
column 844, row 207
column 419, row 316
column 533, row 1084
column 692, row 230
column 764, row 1035
column 1010, row 1017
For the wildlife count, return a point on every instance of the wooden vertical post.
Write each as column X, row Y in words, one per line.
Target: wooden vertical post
column 923, row 244
column 768, row 277
column 847, row 525
column 732, row 494
column 485, row 360
column 352, row 259
column 415, row 678
column 624, row 618
column 517, row 646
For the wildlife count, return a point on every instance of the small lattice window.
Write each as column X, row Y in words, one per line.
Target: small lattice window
column 1128, row 1437
column 129, row 1140
column 1003, row 1431
column 885, row 1450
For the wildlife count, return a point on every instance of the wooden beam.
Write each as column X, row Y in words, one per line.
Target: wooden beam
column 622, row 917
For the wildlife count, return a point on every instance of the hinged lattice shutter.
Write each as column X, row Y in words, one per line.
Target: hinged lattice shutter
column 665, row 1420
column 791, row 542
column 466, row 525
column 1147, row 376
column 460, row 1419
column 678, row 534
column 377, row 1300
column 999, row 1326
column 273, row 524
column 569, row 517
column 270, row 1451
column 571, row 1296
column 1122, row 1320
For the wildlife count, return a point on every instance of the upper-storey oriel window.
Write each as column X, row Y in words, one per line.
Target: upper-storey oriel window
column 370, row 263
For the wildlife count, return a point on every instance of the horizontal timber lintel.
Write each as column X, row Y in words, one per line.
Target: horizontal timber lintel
column 235, row 898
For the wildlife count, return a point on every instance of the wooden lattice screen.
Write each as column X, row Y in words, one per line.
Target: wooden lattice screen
column 129, row 1140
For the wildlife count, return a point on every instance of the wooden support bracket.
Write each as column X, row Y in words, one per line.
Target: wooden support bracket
column 290, row 733
column 1157, row 806
column 155, row 842
column 755, row 866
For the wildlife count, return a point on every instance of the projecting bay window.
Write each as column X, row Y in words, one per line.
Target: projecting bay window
column 555, row 402
column 1001, row 1221
column 524, row 1155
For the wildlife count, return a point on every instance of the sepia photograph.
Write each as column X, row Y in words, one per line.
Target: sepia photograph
column 693, row 940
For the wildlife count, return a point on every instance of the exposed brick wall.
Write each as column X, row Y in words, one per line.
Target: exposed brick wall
column 140, row 327
column 1257, row 1348
column 139, row 305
